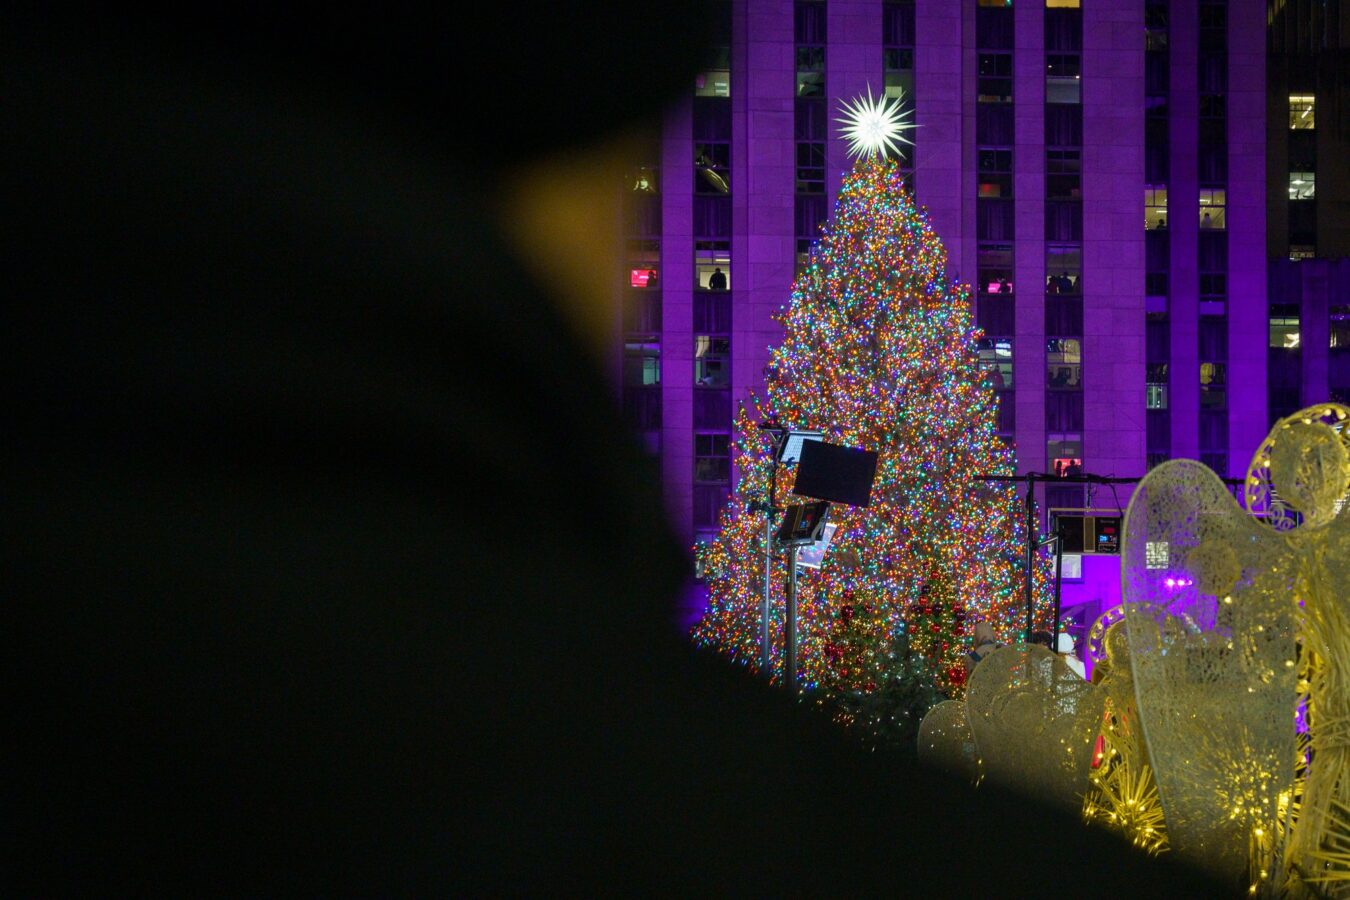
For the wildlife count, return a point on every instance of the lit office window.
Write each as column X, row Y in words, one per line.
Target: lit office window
column 1284, row 333
column 712, row 168
column 1302, row 111
column 1065, row 453
column 1064, row 269
column 1064, row 364
column 641, row 364
column 898, row 72
column 712, row 361
column 1061, row 4
column 996, row 356
column 1212, row 203
column 715, row 81
column 1155, row 396
column 1302, row 185
column 1063, row 78
column 1340, row 326
column 712, row 265
column 1155, row 206
column 994, row 266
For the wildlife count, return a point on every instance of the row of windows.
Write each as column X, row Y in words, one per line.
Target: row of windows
column 1063, row 266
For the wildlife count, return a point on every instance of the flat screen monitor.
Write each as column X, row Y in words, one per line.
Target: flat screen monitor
column 810, row 557
column 792, row 445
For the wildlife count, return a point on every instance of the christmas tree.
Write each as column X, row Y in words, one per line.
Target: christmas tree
column 879, row 352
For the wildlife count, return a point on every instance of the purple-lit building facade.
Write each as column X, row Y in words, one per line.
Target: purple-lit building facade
column 1308, row 203
column 1096, row 169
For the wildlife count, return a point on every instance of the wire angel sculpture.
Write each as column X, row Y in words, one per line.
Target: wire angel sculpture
column 1236, row 619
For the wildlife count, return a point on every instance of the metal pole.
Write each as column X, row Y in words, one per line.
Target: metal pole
column 790, row 632
column 765, row 644
column 1059, row 565
column 1031, row 546
column 765, row 649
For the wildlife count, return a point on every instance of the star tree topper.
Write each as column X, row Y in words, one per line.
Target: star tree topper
column 874, row 127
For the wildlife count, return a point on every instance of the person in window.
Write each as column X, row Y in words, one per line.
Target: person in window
column 1051, row 284
column 1205, row 221
column 998, row 379
column 1066, row 284
column 651, row 278
column 1005, row 287
column 1162, row 223
column 717, row 281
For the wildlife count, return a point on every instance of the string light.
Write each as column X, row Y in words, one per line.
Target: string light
column 879, row 352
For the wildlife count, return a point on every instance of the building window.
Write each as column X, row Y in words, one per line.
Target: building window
column 1284, row 333
column 1063, row 78
column 712, row 265
column 712, row 361
column 1155, row 27
column 995, row 268
column 898, row 69
column 715, row 80
column 810, row 167
column 1064, row 452
column 712, row 460
column 643, row 260
column 1063, row 174
column 708, row 500
column 1064, row 269
column 1302, row 185
column 641, row 363
column 1302, row 111
column 996, row 357
column 1212, row 203
column 1302, row 251
column 995, row 3
column 1061, row 4
column 1340, row 326
column 810, row 71
column 712, row 313
column 1155, row 396
column 1064, row 364
column 712, row 168
column 1154, row 207
column 995, row 81
column 995, row 172
column 1213, row 385
column 809, row 26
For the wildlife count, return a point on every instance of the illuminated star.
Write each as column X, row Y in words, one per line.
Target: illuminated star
column 874, row 126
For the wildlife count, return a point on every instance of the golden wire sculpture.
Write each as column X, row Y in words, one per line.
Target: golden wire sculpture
column 1235, row 619
column 1299, row 479
column 1122, row 795
column 1034, row 721
column 945, row 740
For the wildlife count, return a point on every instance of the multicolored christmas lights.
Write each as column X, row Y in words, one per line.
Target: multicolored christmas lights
column 879, row 352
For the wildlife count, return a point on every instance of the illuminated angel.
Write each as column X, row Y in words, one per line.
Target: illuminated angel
column 1262, row 593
